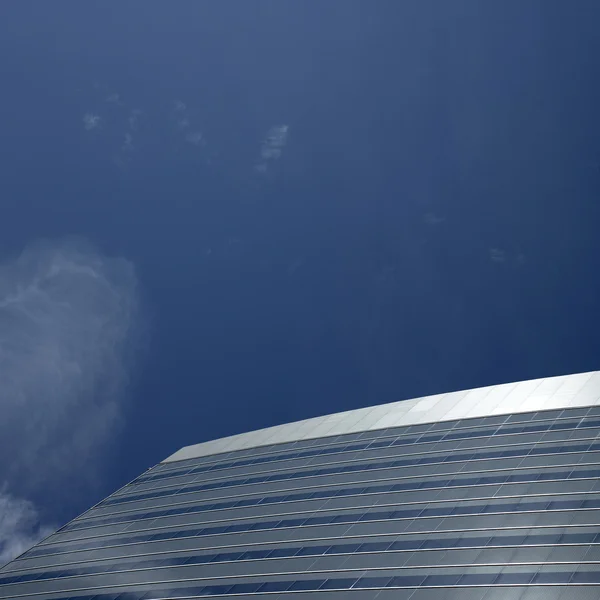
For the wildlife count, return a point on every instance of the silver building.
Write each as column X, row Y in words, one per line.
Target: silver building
column 491, row 493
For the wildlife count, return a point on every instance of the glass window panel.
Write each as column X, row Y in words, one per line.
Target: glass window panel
column 509, row 578
column 374, row 547
column 549, row 577
column 312, row 550
column 372, row 582
column 406, row 581
column 283, row 552
column 321, row 520
column 435, row 543
column 183, row 592
column 375, row 516
column 406, row 545
column 213, row 590
column 307, row 584
column 245, row 588
column 342, row 549
column 255, row 554
column 339, row 584
column 292, row 523
column 543, row 539
column 227, row 556
column 467, row 542
column 263, row 525
column 441, row 580
column 274, row 586
column 477, row 579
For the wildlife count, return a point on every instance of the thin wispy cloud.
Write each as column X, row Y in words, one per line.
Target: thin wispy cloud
column 181, row 115
column 127, row 143
column 69, row 324
column 184, row 124
column 497, row 255
column 114, row 98
column 123, row 156
column 432, row 219
column 125, row 153
column 134, row 119
column 195, row 137
column 272, row 147
column 91, row 121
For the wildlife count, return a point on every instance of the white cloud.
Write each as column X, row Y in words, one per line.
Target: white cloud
column 127, row 142
column 69, row 320
column 272, row 146
column 180, row 106
column 195, row 137
column 134, row 119
column 123, row 157
column 181, row 116
column 497, row 255
column 276, row 137
column 261, row 168
column 114, row 99
column 91, row 121
column 20, row 527
column 433, row 219
column 184, row 123
column 269, row 153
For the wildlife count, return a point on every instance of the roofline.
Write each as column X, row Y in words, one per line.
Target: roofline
column 566, row 391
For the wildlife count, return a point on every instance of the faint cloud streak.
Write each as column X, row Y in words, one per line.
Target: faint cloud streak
column 497, row 255
column 433, row 219
column 91, row 121
column 272, row 147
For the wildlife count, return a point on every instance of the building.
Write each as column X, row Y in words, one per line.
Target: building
column 491, row 493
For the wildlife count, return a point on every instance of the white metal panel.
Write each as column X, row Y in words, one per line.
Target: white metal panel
column 542, row 394
column 567, row 392
column 468, row 403
column 589, row 393
column 582, row 389
column 444, row 406
column 518, row 395
column 352, row 420
column 492, row 403
column 324, row 425
column 372, row 418
column 426, row 404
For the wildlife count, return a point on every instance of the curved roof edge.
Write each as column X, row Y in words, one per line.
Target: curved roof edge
column 567, row 391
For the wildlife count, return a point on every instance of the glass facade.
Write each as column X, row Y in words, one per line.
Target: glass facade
column 504, row 506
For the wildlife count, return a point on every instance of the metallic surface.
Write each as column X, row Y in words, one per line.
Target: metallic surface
column 525, row 396
column 485, row 494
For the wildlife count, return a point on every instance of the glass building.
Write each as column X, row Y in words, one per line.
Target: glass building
column 491, row 493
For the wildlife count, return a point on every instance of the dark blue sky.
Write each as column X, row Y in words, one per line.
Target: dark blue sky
column 430, row 225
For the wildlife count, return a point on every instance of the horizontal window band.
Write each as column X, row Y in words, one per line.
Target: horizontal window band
column 240, row 503
column 336, row 539
column 349, row 518
column 185, row 465
column 359, row 465
column 502, row 579
column 550, row 426
column 498, row 477
column 462, row 543
column 184, row 491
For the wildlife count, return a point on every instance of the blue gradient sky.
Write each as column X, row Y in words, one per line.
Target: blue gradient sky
column 430, row 225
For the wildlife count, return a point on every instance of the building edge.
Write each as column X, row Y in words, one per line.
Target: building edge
column 548, row 393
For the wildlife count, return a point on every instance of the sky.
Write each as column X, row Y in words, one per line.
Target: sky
column 222, row 216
